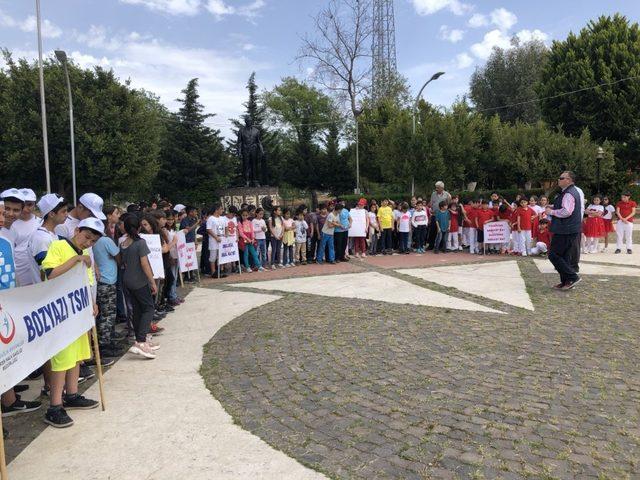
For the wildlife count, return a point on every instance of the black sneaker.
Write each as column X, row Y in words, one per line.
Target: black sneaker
column 57, row 417
column 105, row 362
column 5, row 433
column 44, row 391
column 629, row 251
column 36, row 374
column 617, row 251
column 86, row 372
column 78, row 402
column 569, row 285
column 20, row 406
column 110, row 351
column 21, row 388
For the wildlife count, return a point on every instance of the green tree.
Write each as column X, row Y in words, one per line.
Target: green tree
column 603, row 55
column 303, row 114
column 509, row 77
column 194, row 161
column 117, row 130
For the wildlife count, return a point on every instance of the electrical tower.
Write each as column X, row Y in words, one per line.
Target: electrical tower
column 384, row 49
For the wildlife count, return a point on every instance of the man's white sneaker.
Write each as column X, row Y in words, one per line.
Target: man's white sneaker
column 142, row 350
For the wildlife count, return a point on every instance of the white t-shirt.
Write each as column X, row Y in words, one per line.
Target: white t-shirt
column 25, row 271
column 597, row 208
column 373, row 219
column 301, row 231
column 38, row 247
column 68, row 228
column 258, row 225
column 609, row 210
column 419, row 217
column 174, row 250
column 537, row 208
column 216, row 225
column 404, row 222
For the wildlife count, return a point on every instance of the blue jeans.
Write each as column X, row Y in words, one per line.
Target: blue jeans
column 262, row 251
column 249, row 249
column 327, row 240
column 173, row 289
column 404, row 241
column 275, row 251
column 441, row 241
column 287, row 254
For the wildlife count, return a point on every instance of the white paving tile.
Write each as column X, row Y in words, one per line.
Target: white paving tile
column 369, row 286
column 499, row 281
column 618, row 258
column 592, row 269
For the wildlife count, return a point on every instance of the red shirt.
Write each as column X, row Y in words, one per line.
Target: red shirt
column 506, row 215
column 467, row 210
column 626, row 208
column 545, row 237
column 453, row 225
column 524, row 214
column 483, row 217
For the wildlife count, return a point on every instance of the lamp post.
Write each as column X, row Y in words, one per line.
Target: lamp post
column 62, row 58
column 599, row 158
column 43, row 107
column 356, row 115
column 435, row 76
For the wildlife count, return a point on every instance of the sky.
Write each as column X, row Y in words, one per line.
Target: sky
column 161, row 44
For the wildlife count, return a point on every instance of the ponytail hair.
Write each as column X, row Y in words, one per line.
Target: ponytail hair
column 132, row 227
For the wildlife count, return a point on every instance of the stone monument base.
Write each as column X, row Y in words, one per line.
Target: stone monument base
column 250, row 195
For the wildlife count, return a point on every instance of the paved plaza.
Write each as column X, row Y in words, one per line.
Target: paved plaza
column 407, row 367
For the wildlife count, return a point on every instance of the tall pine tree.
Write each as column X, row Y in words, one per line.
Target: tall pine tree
column 194, row 164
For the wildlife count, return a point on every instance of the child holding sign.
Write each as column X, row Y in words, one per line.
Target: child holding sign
column 61, row 257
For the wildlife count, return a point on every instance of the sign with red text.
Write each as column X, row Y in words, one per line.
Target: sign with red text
column 187, row 258
column 497, row 232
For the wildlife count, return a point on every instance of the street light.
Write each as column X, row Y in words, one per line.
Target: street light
column 62, row 58
column 435, row 76
column 43, row 107
column 599, row 158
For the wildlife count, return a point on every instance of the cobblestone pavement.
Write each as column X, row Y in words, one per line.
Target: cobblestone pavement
column 368, row 390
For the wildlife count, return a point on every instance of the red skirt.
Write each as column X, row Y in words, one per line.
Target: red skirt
column 594, row 227
column 608, row 226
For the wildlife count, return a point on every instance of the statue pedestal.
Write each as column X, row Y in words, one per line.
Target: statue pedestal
column 250, row 195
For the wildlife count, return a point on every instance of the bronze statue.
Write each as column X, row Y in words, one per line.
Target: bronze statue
column 251, row 153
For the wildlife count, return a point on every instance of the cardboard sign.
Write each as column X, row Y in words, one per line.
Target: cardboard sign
column 187, row 258
column 155, row 257
column 497, row 232
column 228, row 251
column 358, row 222
column 38, row 321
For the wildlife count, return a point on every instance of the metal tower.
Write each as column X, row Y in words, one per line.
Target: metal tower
column 384, row 48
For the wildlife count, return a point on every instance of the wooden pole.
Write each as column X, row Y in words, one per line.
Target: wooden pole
column 3, row 461
column 96, row 352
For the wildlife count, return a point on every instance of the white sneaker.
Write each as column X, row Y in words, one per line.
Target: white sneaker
column 142, row 350
column 261, row 269
column 364, row 255
column 152, row 346
column 273, row 267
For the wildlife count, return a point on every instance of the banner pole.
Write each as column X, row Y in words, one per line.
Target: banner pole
column 96, row 352
column 3, row 460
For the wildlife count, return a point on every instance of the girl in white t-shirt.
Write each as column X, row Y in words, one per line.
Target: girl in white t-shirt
column 607, row 219
column 374, row 229
column 404, row 228
column 260, row 234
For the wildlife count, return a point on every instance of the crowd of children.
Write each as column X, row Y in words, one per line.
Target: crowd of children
column 291, row 237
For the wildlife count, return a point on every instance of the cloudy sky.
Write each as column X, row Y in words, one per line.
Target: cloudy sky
column 161, row 44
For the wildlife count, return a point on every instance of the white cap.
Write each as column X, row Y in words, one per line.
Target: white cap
column 28, row 194
column 179, row 208
column 48, row 202
column 94, row 224
column 94, row 203
column 12, row 193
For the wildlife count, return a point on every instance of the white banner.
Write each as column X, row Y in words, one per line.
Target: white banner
column 187, row 258
column 358, row 222
column 228, row 251
column 155, row 257
column 38, row 321
column 497, row 232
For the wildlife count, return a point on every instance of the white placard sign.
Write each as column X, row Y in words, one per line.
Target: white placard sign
column 155, row 257
column 187, row 258
column 497, row 232
column 38, row 321
column 228, row 251
column 358, row 222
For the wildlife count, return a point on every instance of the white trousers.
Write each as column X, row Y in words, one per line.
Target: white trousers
column 523, row 241
column 539, row 249
column 452, row 241
column 624, row 231
column 473, row 240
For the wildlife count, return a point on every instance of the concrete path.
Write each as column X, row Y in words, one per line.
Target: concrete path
column 161, row 422
column 369, row 286
column 618, row 258
column 592, row 269
column 507, row 284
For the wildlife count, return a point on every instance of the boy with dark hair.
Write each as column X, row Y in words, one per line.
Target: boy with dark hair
column 442, row 217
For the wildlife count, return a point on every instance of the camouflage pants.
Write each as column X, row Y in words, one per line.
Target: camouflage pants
column 106, row 321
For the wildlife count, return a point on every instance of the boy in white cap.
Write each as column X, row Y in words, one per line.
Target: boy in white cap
column 23, row 228
column 54, row 212
column 62, row 256
column 89, row 205
column 13, row 204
